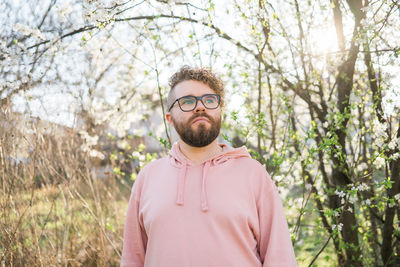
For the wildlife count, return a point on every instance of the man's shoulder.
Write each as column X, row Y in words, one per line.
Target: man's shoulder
column 255, row 170
column 250, row 162
column 151, row 169
column 155, row 164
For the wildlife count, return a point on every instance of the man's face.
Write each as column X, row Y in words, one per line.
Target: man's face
column 201, row 126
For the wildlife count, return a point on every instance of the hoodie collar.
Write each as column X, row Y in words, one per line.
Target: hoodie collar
column 179, row 160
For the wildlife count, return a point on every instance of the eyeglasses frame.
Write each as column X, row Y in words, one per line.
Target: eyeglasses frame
column 197, row 99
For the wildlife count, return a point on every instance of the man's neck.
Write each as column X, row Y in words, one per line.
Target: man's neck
column 200, row 154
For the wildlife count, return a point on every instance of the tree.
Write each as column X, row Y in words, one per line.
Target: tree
column 322, row 117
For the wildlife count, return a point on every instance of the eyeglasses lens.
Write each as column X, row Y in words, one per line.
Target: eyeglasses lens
column 189, row 102
column 210, row 101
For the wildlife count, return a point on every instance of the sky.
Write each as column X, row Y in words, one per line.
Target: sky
column 57, row 104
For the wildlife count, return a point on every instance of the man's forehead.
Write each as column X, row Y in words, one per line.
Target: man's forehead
column 191, row 87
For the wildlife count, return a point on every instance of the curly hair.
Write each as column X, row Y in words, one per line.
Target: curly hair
column 204, row 75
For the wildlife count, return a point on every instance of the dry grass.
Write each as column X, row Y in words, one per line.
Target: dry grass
column 54, row 212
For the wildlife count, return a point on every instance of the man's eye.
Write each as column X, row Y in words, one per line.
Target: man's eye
column 187, row 101
column 210, row 100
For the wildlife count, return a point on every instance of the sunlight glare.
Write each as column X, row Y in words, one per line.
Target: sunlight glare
column 323, row 41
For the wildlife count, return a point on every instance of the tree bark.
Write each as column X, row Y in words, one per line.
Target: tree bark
column 344, row 80
column 388, row 229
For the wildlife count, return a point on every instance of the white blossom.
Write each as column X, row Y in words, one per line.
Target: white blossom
column 349, row 209
column 341, row 194
column 64, row 10
column 278, row 178
column 26, row 30
column 12, row 85
column 336, row 213
column 391, row 101
column 122, row 144
column 100, row 15
column 96, row 154
column 304, row 154
column 380, row 142
column 397, row 197
column 53, row 48
column 364, row 22
column 21, row 45
column 89, row 140
column 380, row 162
column 25, row 79
column 18, row 27
column 339, row 226
column 135, row 154
column 367, row 8
column 362, row 166
column 396, row 156
column 86, row 36
column 398, row 141
column 380, row 129
column 85, row 148
column 392, row 144
column 353, row 199
column 362, row 187
column 367, row 201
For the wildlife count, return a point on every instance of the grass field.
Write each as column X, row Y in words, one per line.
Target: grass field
column 81, row 224
column 76, row 224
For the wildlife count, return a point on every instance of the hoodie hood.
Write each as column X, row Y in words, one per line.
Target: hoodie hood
column 179, row 160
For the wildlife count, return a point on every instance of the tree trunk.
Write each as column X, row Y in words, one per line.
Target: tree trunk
column 387, row 238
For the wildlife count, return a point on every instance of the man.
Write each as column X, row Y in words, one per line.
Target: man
column 205, row 204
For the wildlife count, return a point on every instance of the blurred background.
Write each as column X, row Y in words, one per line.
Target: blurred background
column 312, row 90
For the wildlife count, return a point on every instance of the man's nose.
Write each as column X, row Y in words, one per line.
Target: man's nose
column 200, row 107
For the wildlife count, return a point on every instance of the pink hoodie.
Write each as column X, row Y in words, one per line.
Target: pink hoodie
column 224, row 212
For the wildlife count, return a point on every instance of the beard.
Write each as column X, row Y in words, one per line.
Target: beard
column 200, row 136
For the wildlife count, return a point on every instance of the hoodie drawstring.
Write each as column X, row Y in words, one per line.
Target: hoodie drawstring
column 179, row 160
column 181, row 185
column 204, row 202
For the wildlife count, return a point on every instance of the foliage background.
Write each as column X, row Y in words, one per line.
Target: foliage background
column 312, row 91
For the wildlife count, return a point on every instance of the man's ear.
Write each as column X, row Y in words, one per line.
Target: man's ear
column 168, row 117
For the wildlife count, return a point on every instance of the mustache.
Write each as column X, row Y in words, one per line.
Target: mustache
column 201, row 115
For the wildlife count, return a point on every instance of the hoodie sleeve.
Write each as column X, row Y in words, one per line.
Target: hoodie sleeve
column 274, row 240
column 135, row 238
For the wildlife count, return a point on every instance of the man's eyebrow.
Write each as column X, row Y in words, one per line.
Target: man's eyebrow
column 199, row 95
column 186, row 95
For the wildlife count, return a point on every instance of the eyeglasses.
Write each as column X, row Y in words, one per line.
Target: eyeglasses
column 189, row 102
